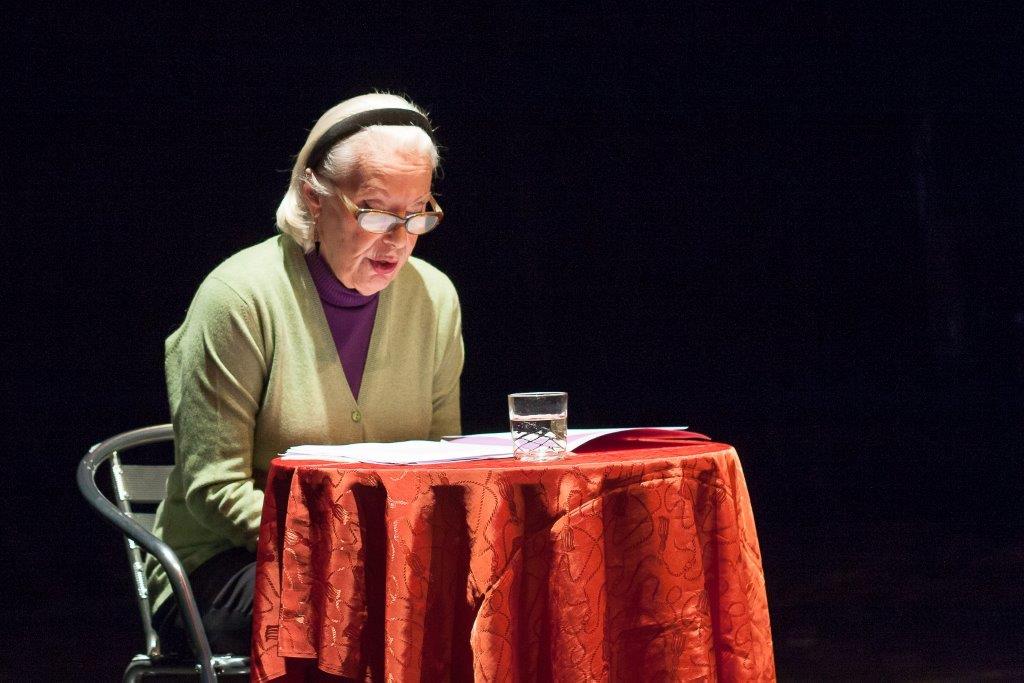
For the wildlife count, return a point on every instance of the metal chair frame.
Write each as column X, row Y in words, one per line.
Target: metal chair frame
column 138, row 538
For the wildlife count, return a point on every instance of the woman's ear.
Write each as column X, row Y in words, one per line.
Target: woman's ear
column 311, row 198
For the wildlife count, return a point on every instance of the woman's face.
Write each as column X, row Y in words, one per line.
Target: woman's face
column 364, row 261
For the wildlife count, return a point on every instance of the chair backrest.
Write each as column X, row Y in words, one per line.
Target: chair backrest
column 138, row 489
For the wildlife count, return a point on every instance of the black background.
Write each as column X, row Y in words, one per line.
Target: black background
column 794, row 226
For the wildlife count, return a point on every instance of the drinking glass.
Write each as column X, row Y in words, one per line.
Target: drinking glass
column 538, row 424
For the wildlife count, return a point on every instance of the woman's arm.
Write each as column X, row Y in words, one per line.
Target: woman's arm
column 215, row 376
column 446, row 412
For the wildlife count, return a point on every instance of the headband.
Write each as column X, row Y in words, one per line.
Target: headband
column 355, row 123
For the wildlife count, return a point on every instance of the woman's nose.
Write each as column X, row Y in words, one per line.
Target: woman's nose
column 398, row 236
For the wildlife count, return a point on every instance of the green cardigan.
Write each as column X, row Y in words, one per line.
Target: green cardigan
column 254, row 370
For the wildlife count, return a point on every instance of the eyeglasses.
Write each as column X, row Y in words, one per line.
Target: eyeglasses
column 379, row 222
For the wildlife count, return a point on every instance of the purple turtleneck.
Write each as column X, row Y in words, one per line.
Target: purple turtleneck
column 350, row 316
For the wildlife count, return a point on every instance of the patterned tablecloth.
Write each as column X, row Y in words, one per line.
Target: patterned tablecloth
column 628, row 565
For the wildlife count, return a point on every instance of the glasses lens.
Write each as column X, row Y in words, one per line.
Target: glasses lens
column 418, row 225
column 374, row 221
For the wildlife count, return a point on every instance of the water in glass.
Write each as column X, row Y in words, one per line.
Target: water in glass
column 539, row 437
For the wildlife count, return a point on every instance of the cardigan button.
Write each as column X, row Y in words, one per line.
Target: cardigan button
column 356, row 416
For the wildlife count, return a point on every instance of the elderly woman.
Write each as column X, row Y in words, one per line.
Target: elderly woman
column 329, row 333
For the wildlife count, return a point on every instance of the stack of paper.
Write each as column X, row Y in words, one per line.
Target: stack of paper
column 458, row 448
column 401, row 452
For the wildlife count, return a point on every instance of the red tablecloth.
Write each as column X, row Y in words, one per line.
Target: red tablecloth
column 632, row 565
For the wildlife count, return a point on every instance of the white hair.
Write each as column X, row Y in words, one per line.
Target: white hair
column 344, row 160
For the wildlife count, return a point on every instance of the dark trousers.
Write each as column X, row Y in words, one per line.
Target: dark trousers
column 223, row 589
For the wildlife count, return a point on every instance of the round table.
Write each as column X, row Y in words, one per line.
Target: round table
column 638, row 564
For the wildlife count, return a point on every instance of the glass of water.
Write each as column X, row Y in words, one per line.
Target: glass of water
column 538, row 422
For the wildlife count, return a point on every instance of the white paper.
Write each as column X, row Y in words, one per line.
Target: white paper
column 451, row 449
column 400, row 452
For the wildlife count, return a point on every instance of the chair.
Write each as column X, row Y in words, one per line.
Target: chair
column 147, row 484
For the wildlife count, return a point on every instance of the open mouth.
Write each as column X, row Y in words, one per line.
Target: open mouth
column 383, row 267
